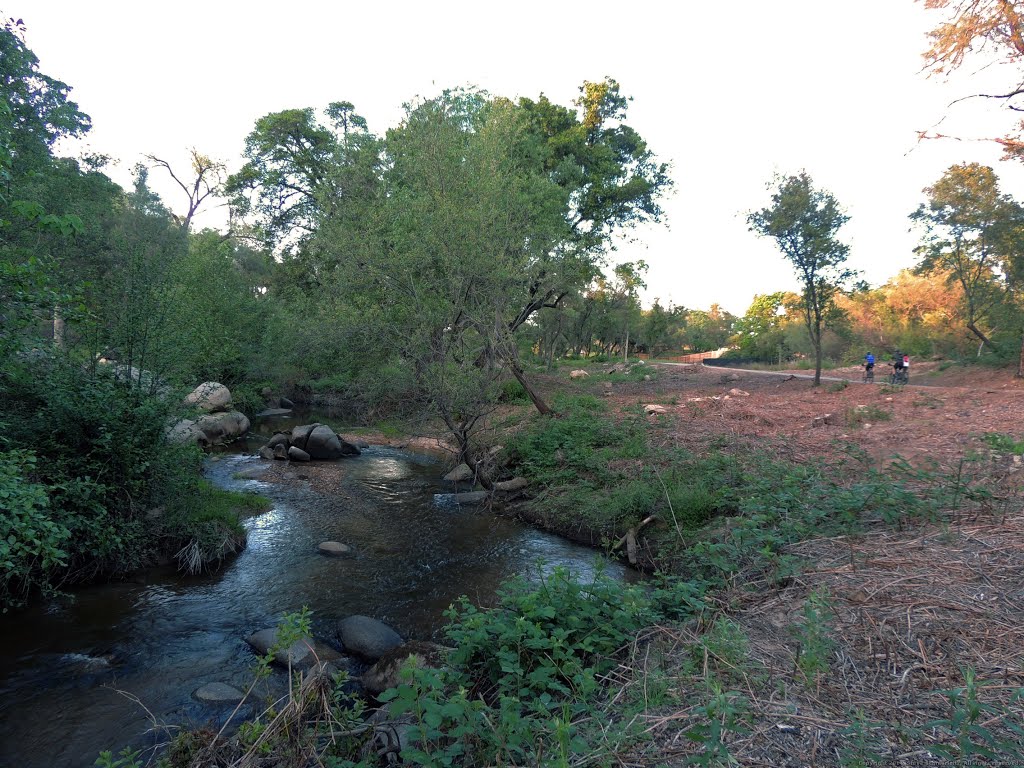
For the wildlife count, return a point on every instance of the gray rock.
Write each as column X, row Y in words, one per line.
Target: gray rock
column 209, row 396
column 304, row 653
column 301, row 434
column 470, row 497
column 222, row 427
column 322, row 443
column 367, row 638
column 297, row 454
column 386, row 673
column 511, row 486
column 284, row 402
column 280, row 451
column 279, row 438
column 274, row 412
column 187, row 431
column 334, row 548
column 266, row 453
column 460, row 474
column 219, row 693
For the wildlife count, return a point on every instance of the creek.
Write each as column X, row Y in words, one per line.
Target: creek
column 75, row 672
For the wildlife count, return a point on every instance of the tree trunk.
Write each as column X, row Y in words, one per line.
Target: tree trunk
column 58, row 328
column 1020, row 365
column 984, row 339
column 625, row 356
column 538, row 402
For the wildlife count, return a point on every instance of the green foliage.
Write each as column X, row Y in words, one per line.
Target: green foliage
column 866, row 414
column 524, row 675
column 804, row 222
column 969, row 724
column 813, row 636
column 126, row 758
column 31, row 543
column 1004, row 443
column 723, row 716
column 511, row 391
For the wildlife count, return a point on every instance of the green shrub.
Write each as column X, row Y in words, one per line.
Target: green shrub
column 523, row 675
column 31, row 543
column 511, row 391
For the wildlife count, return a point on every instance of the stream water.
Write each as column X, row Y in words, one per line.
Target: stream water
column 94, row 670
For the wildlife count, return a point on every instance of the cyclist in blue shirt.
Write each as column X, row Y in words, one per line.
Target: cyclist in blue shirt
column 869, row 365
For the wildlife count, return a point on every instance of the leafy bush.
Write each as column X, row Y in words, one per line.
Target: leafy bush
column 511, row 391
column 523, row 674
column 30, row 542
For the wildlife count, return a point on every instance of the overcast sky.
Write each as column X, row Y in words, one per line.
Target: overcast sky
column 729, row 93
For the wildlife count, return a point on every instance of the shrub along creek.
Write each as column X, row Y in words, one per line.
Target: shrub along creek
column 72, row 669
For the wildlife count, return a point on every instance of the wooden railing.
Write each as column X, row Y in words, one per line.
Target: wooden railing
column 695, row 357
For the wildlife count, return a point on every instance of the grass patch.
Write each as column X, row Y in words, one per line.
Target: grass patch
column 1003, row 443
column 866, row 414
column 208, row 529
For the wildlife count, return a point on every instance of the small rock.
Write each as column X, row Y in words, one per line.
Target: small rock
column 578, row 374
column 266, row 453
column 738, row 392
column 647, row 377
column 652, row 409
column 607, row 385
column 219, row 693
column 334, row 548
column 280, row 451
column 297, row 454
column 733, row 377
column 303, row 653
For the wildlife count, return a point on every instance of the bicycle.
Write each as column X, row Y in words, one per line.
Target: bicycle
column 869, row 374
column 899, row 377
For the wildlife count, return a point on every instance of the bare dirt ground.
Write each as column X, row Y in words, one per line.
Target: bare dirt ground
column 938, row 419
column 914, row 612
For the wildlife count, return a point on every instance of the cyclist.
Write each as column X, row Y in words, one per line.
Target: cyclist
column 897, row 366
column 869, row 367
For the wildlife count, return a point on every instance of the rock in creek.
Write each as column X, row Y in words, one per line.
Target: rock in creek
column 297, row 454
column 367, row 638
column 304, row 653
column 470, row 497
column 334, row 548
column 386, row 672
column 460, row 474
column 219, row 693
column 210, row 396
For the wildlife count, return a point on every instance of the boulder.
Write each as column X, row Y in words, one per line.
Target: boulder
column 209, row 396
column 280, row 451
column 187, row 431
column 284, row 402
column 219, row 693
column 460, row 474
column 578, row 374
column 334, row 548
column 266, row 453
column 297, row 454
column 279, row 438
column 222, row 427
column 386, row 673
column 367, row 638
column 303, row 653
column 300, row 434
column 323, row 443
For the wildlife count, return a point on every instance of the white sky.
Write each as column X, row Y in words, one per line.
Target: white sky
column 729, row 92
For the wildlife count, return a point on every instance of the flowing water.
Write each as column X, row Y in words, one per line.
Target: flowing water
column 96, row 670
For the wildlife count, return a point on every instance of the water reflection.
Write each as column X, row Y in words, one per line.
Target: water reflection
column 166, row 634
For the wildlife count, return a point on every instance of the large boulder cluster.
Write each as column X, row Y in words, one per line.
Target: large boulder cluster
column 217, row 423
column 306, row 442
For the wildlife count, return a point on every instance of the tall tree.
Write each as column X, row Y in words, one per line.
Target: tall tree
column 972, row 232
column 804, row 222
column 207, row 180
